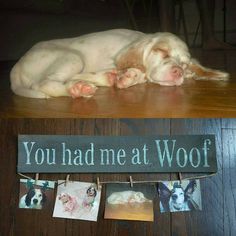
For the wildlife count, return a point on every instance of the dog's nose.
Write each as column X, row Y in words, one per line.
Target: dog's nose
column 174, row 197
column 35, row 201
column 176, row 72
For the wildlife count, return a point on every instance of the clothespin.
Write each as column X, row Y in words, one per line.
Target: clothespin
column 99, row 186
column 36, row 178
column 67, row 179
column 180, row 177
column 131, row 182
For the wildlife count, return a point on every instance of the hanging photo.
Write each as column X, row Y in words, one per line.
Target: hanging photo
column 36, row 195
column 180, row 196
column 126, row 203
column 77, row 200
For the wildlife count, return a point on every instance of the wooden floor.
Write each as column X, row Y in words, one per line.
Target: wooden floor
column 194, row 99
column 217, row 218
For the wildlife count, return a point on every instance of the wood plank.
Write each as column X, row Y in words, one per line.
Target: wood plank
column 229, row 184
column 34, row 222
column 202, row 222
column 229, row 123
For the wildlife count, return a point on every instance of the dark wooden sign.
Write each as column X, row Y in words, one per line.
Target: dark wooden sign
column 111, row 154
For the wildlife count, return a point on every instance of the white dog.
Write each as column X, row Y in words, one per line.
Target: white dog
column 127, row 197
column 76, row 66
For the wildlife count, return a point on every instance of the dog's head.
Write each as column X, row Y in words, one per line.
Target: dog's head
column 64, row 198
column 35, row 198
column 177, row 197
column 91, row 192
column 162, row 56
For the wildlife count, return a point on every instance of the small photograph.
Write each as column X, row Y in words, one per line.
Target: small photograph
column 36, row 195
column 126, row 203
column 178, row 196
column 77, row 200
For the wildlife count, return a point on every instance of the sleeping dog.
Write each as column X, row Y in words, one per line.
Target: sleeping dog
column 127, row 197
column 77, row 66
column 177, row 198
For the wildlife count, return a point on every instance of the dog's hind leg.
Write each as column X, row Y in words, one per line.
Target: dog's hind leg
column 31, row 93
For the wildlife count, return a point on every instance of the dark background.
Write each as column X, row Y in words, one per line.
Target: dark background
column 25, row 22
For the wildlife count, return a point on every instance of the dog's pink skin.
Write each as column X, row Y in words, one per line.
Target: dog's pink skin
column 174, row 74
column 112, row 77
column 82, row 89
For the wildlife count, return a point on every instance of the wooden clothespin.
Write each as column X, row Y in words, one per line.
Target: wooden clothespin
column 36, row 178
column 131, row 182
column 180, row 177
column 67, row 179
column 99, row 186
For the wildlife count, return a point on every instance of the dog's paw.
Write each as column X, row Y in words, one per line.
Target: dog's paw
column 82, row 89
column 112, row 77
column 130, row 77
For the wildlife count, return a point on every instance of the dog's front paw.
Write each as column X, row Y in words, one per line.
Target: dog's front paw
column 112, row 77
column 130, row 77
column 82, row 89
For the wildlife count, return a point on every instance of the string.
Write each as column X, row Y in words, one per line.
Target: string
column 137, row 181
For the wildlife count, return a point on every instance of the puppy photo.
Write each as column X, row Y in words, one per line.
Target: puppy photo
column 175, row 196
column 76, row 67
column 124, row 202
column 69, row 202
column 77, row 200
column 90, row 196
column 35, row 196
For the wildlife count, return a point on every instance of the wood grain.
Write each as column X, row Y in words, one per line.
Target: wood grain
column 218, row 192
column 229, row 184
column 202, row 222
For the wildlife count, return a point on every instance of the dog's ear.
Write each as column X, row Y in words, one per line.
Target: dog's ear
column 44, row 198
column 29, row 196
column 198, row 72
column 162, row 48
column 164, row 192
column 132, row 56
column 190, row 188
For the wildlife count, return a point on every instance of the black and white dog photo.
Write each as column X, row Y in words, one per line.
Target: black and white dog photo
column 35, row 198
column 176, row 196
column 35, row 194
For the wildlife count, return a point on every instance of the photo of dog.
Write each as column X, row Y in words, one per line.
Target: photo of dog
column 69, row 202
column 124, row 202
column 77, row 200
column 90, row 196
column 35, row 196
column 175, row 196
column 127, row 197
